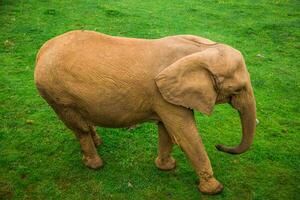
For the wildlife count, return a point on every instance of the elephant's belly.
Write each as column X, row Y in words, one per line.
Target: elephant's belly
column 114, row 118
column 119, row 109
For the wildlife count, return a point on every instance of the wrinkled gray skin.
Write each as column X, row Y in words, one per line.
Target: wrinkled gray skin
column 91, row 79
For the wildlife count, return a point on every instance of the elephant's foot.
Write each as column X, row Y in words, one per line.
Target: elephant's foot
column 210, row 186
column 166, row 163
column 93, row 163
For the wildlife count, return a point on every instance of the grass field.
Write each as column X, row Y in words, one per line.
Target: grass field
column 40, row 158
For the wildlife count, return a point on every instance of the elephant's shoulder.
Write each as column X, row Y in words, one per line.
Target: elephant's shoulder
column 197, row 39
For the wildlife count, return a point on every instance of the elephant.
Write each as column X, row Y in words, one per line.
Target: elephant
column 92, row 79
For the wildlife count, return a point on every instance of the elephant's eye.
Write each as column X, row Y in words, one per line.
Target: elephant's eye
column 238, row 91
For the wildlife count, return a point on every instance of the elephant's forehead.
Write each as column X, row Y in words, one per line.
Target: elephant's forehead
column 228, row 62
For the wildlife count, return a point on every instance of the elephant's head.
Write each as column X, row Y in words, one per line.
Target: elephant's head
column 203, row 79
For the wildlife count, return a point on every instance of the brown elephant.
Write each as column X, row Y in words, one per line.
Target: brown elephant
column 92, row 79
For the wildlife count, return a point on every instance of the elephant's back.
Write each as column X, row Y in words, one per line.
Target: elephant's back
column 91, row 50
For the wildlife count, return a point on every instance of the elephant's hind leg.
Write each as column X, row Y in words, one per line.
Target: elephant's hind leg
column 96, row 138
column 164, row 160
column 84, row 133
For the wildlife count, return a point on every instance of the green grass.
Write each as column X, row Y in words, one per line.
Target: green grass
column 40, row 158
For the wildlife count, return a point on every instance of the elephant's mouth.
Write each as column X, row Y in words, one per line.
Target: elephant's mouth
column 222, row 99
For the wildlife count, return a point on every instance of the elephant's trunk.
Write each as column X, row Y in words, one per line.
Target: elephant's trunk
column 245, row 104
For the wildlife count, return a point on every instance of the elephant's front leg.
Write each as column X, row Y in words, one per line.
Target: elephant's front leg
column 180, row 124
column 164, row 160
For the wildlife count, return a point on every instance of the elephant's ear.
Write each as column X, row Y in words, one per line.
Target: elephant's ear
column 189, row 82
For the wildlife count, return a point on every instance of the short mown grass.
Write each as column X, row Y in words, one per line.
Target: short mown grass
column 41, row 159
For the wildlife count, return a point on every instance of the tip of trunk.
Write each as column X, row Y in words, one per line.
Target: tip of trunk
column 235, row 150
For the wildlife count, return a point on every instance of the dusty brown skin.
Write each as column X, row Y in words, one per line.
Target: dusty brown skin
column 91, row 79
